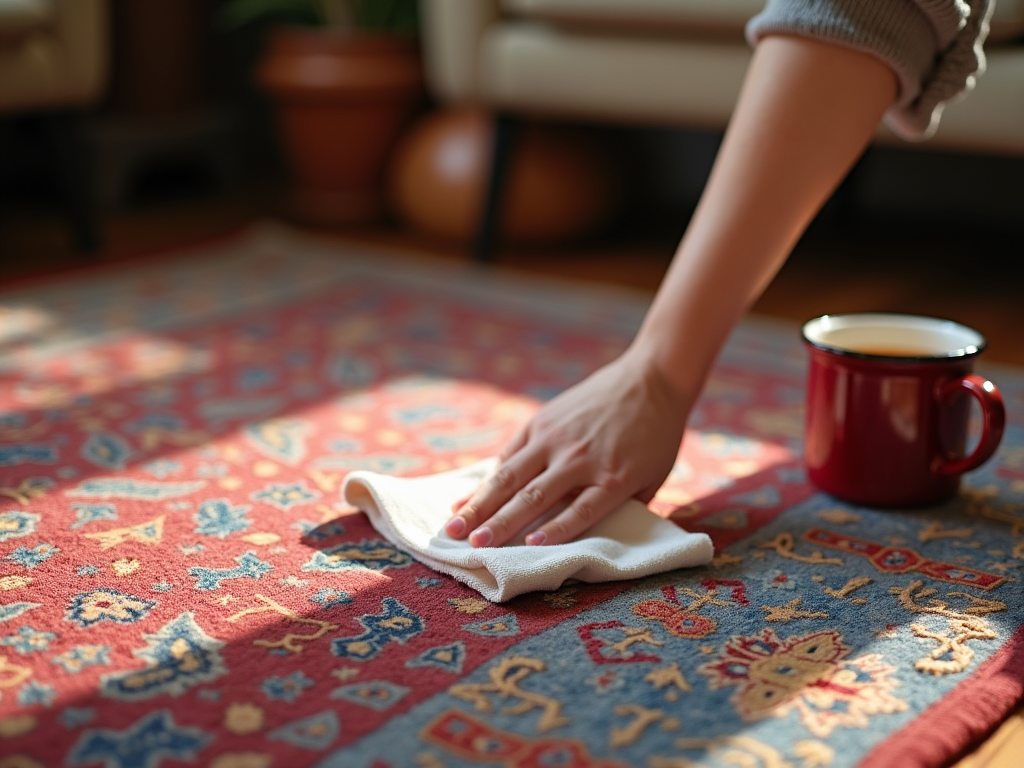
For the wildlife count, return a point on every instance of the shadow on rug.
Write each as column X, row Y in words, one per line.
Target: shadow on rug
column 180, row 582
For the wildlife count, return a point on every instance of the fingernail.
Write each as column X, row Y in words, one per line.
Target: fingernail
column 456, row 526
column 481, row 537
column 536, row 538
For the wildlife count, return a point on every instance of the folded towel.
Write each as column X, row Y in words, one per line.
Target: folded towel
column 629, row 543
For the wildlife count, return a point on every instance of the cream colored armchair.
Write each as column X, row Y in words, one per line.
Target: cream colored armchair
column 660, row 62
column 672, row 62
column 54, row 64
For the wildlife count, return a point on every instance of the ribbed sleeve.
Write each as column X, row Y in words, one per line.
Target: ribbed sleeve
column 934, row 46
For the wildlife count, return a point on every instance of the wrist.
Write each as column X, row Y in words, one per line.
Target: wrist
column 663, row 370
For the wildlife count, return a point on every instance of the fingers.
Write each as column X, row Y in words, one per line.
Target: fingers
column 586, row 509
column 525, row 507
column 498, row 512
column 510, row 478
column 517, row 442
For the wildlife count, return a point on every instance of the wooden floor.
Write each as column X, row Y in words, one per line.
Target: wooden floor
column 966, row 272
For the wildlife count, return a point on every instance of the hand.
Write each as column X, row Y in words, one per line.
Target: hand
column 612, row 437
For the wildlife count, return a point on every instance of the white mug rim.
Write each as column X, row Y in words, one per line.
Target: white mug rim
column 813, row 329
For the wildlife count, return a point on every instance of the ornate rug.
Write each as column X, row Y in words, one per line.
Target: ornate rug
column 180, row 582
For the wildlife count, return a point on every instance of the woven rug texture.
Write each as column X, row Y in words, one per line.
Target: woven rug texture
column 181, row 583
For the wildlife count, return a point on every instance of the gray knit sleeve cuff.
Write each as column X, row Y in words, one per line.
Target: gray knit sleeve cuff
column 934, row 46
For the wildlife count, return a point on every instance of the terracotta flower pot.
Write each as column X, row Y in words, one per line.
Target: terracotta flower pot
column 342, row 100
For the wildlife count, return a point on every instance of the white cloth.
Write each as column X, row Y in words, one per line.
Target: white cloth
column 629, row 543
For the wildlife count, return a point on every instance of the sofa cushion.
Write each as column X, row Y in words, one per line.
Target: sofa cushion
column 701, row 16
column 669, row 16
column 541, row 69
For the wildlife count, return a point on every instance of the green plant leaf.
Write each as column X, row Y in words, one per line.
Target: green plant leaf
column 387, row 15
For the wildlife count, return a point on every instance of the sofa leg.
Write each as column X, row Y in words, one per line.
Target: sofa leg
column 62, row 131
column 505, row 129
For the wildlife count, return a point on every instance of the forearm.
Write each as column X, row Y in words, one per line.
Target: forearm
column 805, row 114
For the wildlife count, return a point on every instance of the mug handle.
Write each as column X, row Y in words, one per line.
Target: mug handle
column 993, row 421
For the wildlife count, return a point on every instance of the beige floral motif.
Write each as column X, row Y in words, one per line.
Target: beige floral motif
column 964, row 625
column 243, row 718
column 978, row 504
column 290, row 642
column 17, row 725
column 23, row 434
column 469, row 604
column 331, row 513
column 505, row 679
column 19, row 761
column 643, row 718
column 670, row 677
column 849, row 588
column 265, row 468
column 150, row 532
column 815, row 754
column 106, row 604
column 12, row 675
column 937, row 530
column 790, row 611
column 839, row 516
column 325, row 481
column 732, row 750
column 126, row 566
column 28, row 489
column 261, row 538
column 14, row 582
column 783, row 546
column 242, row 760
column 152, row 438
column 724, row 558
column 810, row 674
column 634, row 635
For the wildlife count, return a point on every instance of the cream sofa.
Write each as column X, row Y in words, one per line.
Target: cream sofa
column 678, row 62
column 661, row 62
column 54, row 60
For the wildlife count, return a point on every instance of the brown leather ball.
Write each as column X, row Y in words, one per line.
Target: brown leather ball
column 559, row 184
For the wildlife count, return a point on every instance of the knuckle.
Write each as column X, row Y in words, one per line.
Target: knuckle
column 557, row 531
column 503, row 478
column 584, row 511
column 532, row 496
column 613, row 483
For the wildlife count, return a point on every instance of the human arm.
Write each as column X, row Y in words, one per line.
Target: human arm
column 806, row 111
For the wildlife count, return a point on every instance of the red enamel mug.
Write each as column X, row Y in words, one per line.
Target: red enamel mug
column 888, row 407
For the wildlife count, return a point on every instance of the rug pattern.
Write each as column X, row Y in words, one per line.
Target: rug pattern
column 180, row 582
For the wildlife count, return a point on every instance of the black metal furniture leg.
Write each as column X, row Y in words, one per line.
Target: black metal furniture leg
column 505, row 129
column 62, row 131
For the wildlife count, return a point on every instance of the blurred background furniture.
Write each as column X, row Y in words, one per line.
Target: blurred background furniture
column 54, row 66
column 657, row 62
column 160, row 126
